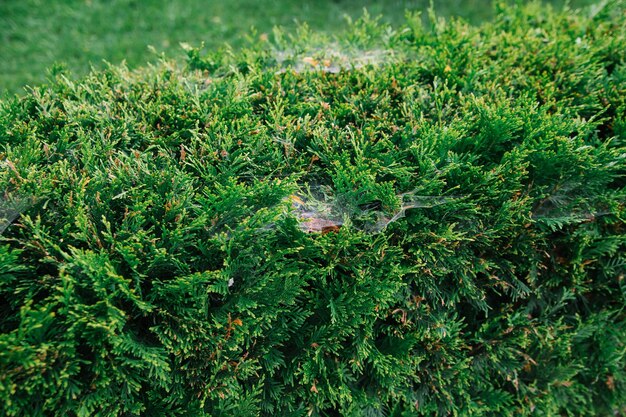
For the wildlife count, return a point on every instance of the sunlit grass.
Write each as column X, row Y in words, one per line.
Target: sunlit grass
column 35, row 34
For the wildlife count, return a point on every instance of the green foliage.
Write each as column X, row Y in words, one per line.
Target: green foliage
column 152, row 261
column 81, row 34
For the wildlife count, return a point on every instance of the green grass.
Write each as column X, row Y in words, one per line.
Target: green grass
column 162, row 241
column 35, row 34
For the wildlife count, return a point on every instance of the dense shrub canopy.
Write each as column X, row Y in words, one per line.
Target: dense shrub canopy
column 153, row 259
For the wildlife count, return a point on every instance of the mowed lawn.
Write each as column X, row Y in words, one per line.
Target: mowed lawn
column 37, row 34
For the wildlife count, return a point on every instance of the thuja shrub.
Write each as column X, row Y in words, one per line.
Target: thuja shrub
column 419, row 221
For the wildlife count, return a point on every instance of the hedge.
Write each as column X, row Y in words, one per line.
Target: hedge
column 417, row 221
